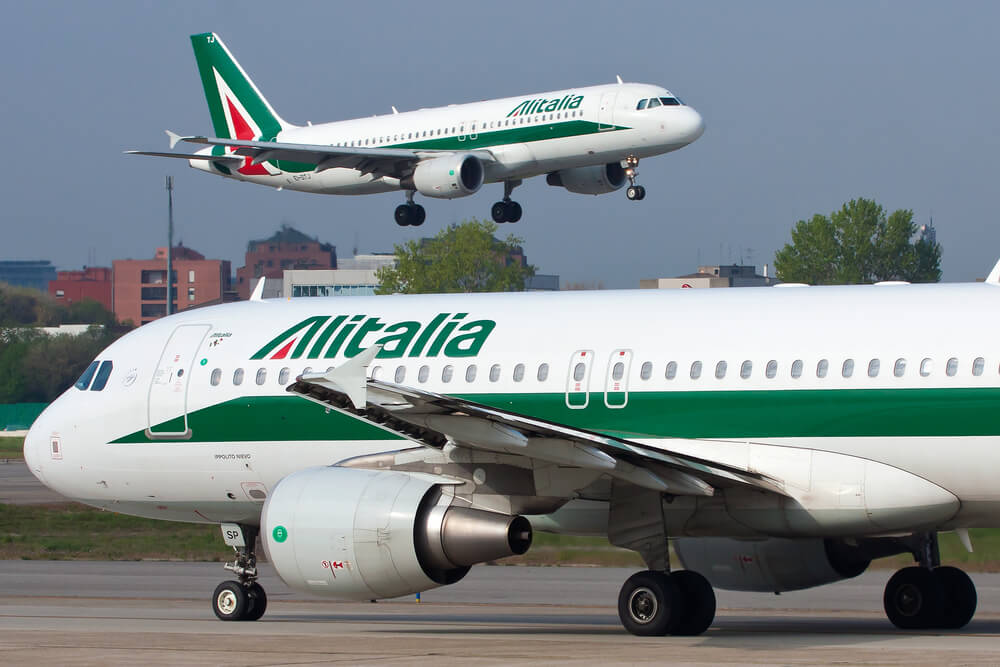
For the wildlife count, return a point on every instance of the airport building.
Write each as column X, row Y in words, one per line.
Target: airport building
column 93, row 282
column 32, row 273
column 724, row 275
column 287, row 249
column 139, row 289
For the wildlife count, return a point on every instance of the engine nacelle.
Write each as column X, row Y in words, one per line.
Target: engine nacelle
column 364, row 534
column 771, row 565
column 447, row 177
column 596, row 180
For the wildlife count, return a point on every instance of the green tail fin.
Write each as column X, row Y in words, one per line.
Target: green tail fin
column 238, row 109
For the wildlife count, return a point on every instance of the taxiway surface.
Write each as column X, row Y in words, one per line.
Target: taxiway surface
column 77, row 613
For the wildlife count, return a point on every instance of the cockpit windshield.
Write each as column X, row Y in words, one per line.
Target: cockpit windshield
column 87, row 376
column 651, row 102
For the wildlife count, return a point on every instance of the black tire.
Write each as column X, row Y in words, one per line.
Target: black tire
column 230, row 601
column 699, row 603
column 419, row 215
column 959, row 597
column 257, row 602
column 632, row 192
column 912, row 599
column 513, row 211
column 641, row 194
column 499, row 212
column 403, row 215
column 649, row 604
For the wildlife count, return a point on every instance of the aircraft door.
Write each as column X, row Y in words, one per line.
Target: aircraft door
column 167, row 401
column 578, row 379
column 616, row 382
column 606, row 116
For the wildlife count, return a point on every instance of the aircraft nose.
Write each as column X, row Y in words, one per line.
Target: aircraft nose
column 35, row 448
column 693, row 124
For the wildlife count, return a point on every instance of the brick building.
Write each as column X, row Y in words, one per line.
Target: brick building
column 140, row 285
column 93, row 282
column 287, row 249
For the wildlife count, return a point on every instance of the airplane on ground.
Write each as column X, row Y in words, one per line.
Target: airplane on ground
column 782, row 437
column 586, row 140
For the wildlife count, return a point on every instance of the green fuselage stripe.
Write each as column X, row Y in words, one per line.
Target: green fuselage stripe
column 680, row 414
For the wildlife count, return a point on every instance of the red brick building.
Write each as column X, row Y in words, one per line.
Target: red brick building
column 93, row 282
column 288, row 248
column 140, row 285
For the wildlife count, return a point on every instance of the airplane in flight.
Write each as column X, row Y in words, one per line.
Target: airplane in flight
column 782, row 437
column 586, row 140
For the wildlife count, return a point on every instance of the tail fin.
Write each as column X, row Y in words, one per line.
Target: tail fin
column 238, row 109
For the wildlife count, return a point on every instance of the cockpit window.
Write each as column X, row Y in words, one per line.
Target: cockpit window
column 87, row 376
column 642, row 105
column 653, row 102
column 102, row 376
column 670, row 101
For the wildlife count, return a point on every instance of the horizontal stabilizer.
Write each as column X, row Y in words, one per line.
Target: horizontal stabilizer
column 231, row 159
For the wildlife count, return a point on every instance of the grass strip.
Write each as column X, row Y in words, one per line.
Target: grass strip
column 11, row 448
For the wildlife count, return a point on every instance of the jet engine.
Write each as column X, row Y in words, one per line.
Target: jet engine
column 447, row 177
column 596, row 180
column 363, row 534
column 771, row 565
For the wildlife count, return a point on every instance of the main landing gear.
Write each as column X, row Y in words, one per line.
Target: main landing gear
column 507, row 210
column 633, row 192
column 243, row 599
column 929, row 595
column 410, row 214
column 655, row 603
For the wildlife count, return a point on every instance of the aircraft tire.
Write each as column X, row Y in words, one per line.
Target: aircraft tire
column 699, row 603
column 499, row 212
column 513, row 211
column 913, row 599
column 632, row 193
column 403, row 215
column 257, row 602
column 641, row 194
column 230, row 601
column 960, row 599
column 649, row 604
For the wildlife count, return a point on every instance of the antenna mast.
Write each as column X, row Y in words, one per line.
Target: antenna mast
column 170, row 244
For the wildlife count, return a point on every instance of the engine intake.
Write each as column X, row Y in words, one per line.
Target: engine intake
column 364, row 534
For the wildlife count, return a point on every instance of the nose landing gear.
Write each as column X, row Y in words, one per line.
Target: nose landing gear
column 243, row 599
column 633, row 192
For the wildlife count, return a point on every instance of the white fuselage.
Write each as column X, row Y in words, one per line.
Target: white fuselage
column 190, row 426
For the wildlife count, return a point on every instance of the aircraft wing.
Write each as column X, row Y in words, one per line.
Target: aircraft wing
column 396, row 162
column 439, row 420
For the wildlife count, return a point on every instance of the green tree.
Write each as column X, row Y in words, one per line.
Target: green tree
column 858, row 244
column 461, row 258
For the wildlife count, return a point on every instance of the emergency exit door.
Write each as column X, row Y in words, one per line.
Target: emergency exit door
column 578, row 379
column 167, row 401
column 616, row 382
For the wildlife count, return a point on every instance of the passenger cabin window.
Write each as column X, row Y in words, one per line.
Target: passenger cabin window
column 978, row 365
column 847, row 370
column 400, row 374
column 578, row 371
column 617, row 371
column 495, row 373
column 104, row 372
column 283, row 375
column 376, row 372
column 261, row 376
column 518, row 372
column 746, row 369
column 951, row 367
column 797, row 369
column 87, row 376
column 671, row 371
column 899, row 368
column 216, row 377
column 543, row 372
column 771, row 370
column 238, row 377
column 470, row 373
column 873, row 368
column 926, row 367
column 822, row 367
column 646, row 371
column 695, row 370
column 446, row 373
column 720, row 370
column 423, row 373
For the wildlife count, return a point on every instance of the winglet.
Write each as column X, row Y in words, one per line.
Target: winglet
column 258, row 290
column 174, row 138
column 994, row 277
column 351, row 377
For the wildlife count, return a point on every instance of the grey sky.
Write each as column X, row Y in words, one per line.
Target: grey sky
column 806, row 106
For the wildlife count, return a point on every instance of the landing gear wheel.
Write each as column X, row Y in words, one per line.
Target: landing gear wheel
column 912, row 599
column 499, row 212
column 513, row 211
column 419, row 215
column 959, row 597
column 641, row 194
column 404, row 215
column 632, row 192
column 257, row 602
column 699, row 603
column 649, row 604
column 230, row 601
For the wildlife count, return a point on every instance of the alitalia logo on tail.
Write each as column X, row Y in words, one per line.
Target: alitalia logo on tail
column 541, row 104
column 327, row 336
